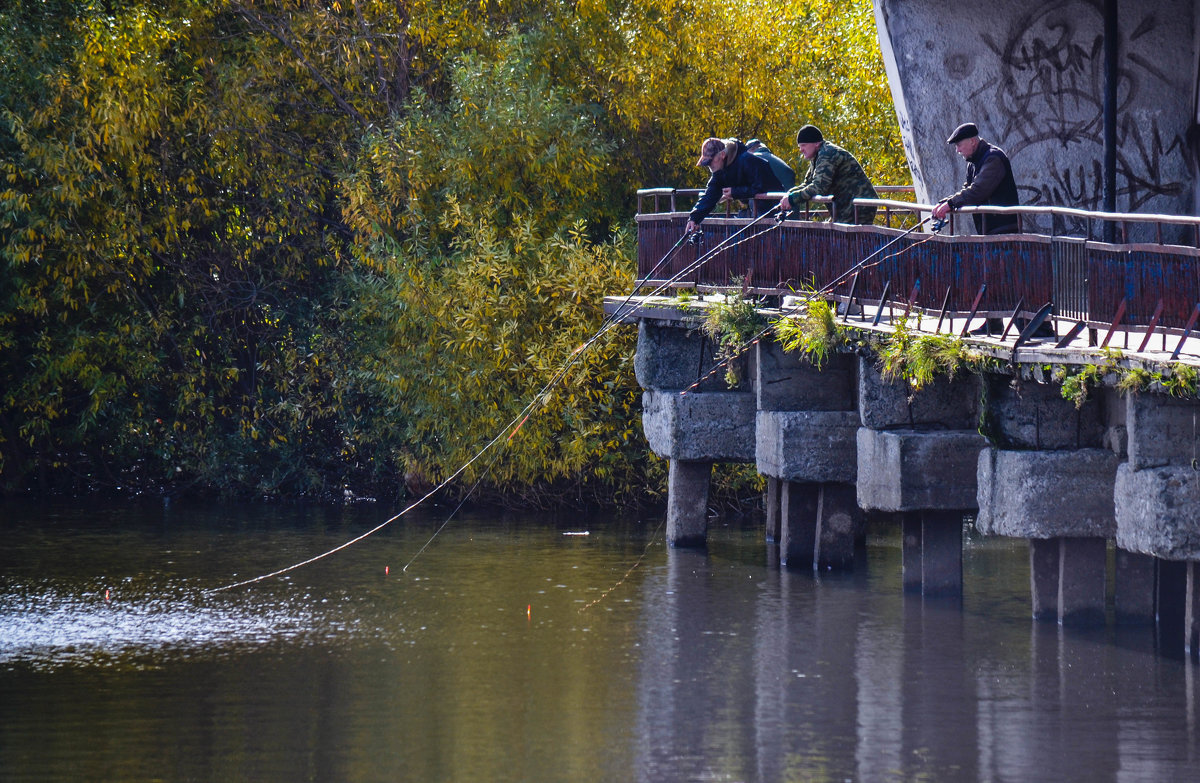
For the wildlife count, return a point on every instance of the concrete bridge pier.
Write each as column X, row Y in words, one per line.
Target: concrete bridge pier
column 805, row 436
column 693, row 428
column 1048, row 478
column 917, row 454
column 687, row 502
column 819, row 524
column 1157, row 500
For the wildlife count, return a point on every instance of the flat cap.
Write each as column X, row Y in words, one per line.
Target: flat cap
column 965, row 131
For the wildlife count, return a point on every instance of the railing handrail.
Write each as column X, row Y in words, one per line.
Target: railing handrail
column 1075, row 212
column 1058, row 211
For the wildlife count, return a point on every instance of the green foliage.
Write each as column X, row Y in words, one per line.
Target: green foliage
column 814, row 331
column 1134, row 380
column 275, row 246
column 1180, row 380
column 1078, row 382
column 733, row 324
column 671, row 74
column 459, row 349
column 172, row 247
column 918, row 359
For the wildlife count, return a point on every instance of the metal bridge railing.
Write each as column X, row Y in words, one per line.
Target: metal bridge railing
column 1146, row 283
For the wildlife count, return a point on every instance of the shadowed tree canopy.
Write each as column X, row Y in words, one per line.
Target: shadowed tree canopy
column 284, row 247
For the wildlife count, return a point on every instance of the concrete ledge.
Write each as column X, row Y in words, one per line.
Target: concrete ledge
column 943, row 404
column 1035, row 416
column 787, row 382
column 700, row 427
column 817, row 446
column 1047, row 494
column 1156, row 511
column 906, row 470
column 673, row 357
column 1162, row 431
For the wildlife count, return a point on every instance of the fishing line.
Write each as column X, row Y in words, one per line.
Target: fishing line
column 653, row 540
column 514, row 424
column 457, row 508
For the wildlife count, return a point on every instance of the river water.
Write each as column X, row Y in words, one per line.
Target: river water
column 516, row 648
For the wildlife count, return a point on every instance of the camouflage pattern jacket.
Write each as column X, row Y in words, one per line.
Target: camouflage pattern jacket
column 835, row 172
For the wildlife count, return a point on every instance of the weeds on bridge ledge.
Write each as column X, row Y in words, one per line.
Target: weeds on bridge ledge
column 732, row 325
column 1076, row 386
column 1177, row 379
column 919, row 358
column 1180, row 380
column 813, row 331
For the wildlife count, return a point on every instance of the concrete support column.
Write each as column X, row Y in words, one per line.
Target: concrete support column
column 798, row 535
column 1081, row 581
column 687, row 503
column 941, row 553
column 819, row 524
column 917, row 455
column 1157, row 500
column 1133, row 589
column 1067, row 578
column 1052, row 483
column 805, row 443
column 1171, row 606
column 838, row 518
column 773, row 504
column 1043, row 577
column 932, row 552
column 910, row 550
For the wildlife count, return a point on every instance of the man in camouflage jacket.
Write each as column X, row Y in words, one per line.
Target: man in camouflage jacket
column 832, row 171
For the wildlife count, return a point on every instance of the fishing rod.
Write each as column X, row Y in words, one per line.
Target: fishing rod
column 700, row 260
column 809, row 296
column 513, row 426
column 613, row 318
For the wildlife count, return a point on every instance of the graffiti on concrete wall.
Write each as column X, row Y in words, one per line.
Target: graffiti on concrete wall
column 1046, row 104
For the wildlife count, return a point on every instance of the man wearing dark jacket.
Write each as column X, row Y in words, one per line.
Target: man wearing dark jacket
column 737, row 173
column 989, row 182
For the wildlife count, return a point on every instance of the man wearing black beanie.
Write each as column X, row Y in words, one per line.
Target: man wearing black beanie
column 832, row 171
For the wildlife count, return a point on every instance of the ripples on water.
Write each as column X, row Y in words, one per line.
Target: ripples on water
column 47, row 627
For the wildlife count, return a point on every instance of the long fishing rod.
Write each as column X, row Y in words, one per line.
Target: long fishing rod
column 511, row 428
column 700, row 260
column 809, row 296
column 614, row 318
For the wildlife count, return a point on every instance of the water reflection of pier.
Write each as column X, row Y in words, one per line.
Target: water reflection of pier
column 860, row 684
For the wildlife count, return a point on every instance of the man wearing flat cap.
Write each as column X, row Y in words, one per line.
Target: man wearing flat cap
column 989, row 182
column 738, row 172
column 832, row 171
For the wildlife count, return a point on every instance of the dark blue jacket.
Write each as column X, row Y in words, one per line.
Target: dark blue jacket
column 751, row 173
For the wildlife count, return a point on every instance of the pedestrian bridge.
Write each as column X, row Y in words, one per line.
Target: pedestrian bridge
column 1103, row 482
